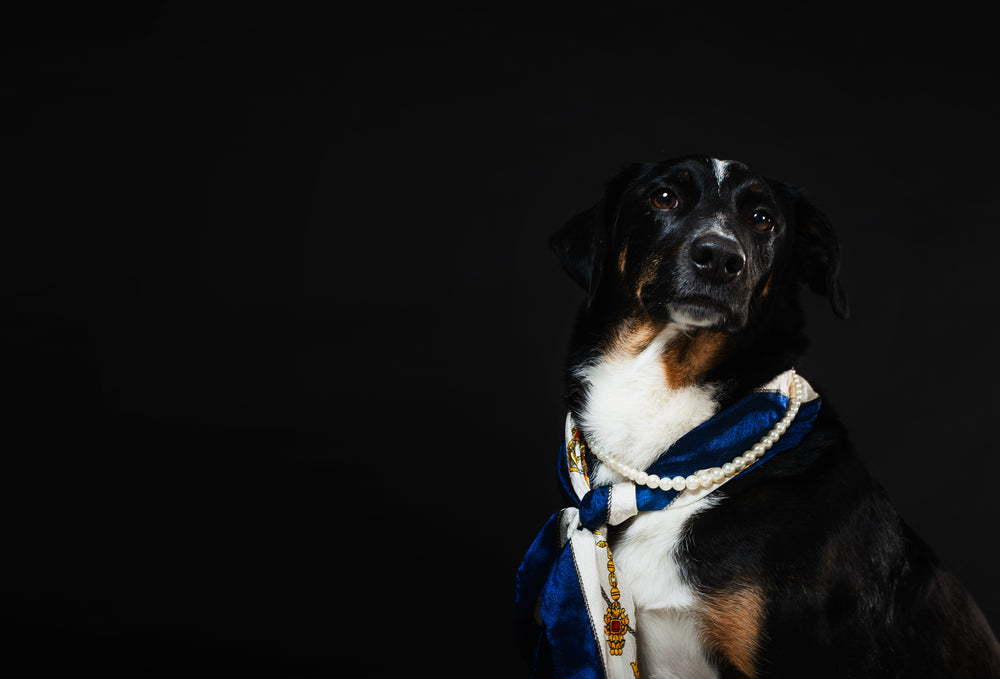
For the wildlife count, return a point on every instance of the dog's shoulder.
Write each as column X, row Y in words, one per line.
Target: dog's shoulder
column 816, row 543
column 799, row 516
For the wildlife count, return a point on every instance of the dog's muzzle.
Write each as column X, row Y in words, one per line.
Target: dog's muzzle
column 705, row 284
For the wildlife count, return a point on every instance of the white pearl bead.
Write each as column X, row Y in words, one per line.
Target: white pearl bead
column 766, row 443
column 758, row 449
column 749, row 459
column 640, row 478
column 739, row 463
column 679, row 483
column 780, row 427
column 729, row 469
column 666, row 483
column 653, row 481
column 705, row 479
column 716, row 474
column 692, row 483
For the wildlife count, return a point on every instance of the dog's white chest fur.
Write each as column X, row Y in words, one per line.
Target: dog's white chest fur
column 630, row 409
column 632, row 412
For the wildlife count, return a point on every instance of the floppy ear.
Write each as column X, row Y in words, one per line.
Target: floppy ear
column 818, row 253
column 583, row 243
column 580, row 249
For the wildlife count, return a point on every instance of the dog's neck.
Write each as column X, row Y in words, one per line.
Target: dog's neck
column 639, row 396
column 638, row 386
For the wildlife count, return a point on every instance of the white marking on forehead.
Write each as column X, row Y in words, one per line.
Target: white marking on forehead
column 720, row 167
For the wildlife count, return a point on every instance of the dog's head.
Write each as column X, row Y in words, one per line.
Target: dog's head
column 698, row 242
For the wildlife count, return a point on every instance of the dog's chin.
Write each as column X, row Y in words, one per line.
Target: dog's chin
column 706, row 313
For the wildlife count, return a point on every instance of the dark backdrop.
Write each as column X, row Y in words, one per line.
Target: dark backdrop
column 283, row 341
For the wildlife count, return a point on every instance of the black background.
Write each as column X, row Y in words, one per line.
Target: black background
column 283, row 342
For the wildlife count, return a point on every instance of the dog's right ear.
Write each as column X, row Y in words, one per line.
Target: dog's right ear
column 583, row 244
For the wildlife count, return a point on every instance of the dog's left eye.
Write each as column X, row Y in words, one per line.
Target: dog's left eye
column 663, row 200
column 762, row 221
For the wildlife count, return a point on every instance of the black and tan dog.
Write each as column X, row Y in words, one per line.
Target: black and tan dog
column 692, row 270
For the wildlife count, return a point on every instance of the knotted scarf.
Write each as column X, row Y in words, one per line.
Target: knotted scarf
column 575, row 617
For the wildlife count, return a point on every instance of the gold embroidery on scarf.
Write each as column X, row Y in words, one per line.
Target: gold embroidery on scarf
column 576, row 455
column 616, row 621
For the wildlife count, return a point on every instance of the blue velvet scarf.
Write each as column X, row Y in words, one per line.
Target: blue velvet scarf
column 575, row 619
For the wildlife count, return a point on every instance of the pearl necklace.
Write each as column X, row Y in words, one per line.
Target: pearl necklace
column 706, row 478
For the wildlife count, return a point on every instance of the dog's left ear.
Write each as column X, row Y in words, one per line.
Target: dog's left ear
column 817, row 251
column 584, row 242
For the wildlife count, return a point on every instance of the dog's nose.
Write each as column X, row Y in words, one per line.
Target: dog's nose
column 716, row 258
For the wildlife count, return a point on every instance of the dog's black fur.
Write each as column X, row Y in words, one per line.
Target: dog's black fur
column 847, row 589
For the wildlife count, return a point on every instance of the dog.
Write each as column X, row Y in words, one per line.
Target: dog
column 800, row 567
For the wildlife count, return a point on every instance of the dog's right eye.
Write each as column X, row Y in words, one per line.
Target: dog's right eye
column 762, row 220
column 663, row 199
